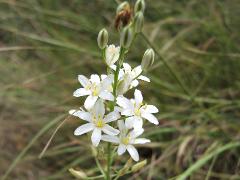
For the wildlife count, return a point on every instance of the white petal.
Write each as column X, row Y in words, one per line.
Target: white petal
column 112, row 116
column 106, row 95
column 95, row 78
column 144, row 78
column 127, row 112
column 90, row 101
column 110, row 130
column 134, row 122
column 82, row 115
column 83, row 80
column 121, row 125
column 133, row 152
column 141, row 141
column 138, row 97
column 121, row 149
column 127, row 67
column 96, row 136
column 99, row 109
column 81, row 92
column 151, row 118
column 134, row 83
column 124, row 102
column 136, row 71
column 150, row 109
column 112, row 139
column 83, row 129
column 103, row 76
column 136, row 132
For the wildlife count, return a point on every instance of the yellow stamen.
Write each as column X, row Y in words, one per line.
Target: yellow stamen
column 125, row 140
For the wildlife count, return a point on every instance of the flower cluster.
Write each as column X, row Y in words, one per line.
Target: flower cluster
column 109, row 114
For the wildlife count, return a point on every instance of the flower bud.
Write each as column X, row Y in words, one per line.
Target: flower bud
column 126, row 37
column 102, row 38
column 78, row 174
column 148, row 59
column 138, row 22
column 139, row 6
column 139, row 165
column 122, row 6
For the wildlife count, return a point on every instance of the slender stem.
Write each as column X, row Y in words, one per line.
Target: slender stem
column 115, row 83
column 100, row 167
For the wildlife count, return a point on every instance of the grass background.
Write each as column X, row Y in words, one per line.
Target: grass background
column 45, row 44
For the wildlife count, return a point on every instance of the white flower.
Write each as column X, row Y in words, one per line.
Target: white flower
column 97, row 122
column 136, row 111
column 112, row 54
column 130, row 76
column 94, row 88
column 126, row 140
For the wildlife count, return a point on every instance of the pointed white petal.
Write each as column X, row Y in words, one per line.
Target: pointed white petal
column 136, row 71
column 124, row 102
column 90, row 101
column 121, row 149
column 151, row 118
column 82, row 115
column 112, row 116
column 112, row 139
column 133, row 152
column 96, row 136
column 136, row 132
column 121, row 125
column 103, row 76
column 141, row 141
column 110, row 130
column 134, row 122
column 106, row 95
column 134, row 83
column 99, row 109
column 144, row 78
column 127, row 112
column 150, row 109
column 138, row 97
column 83, row 80
column 127, row 68
column 95, row 78
column 81, row 92
column 83, row 129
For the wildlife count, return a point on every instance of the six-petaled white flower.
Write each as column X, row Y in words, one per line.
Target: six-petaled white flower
column 97, row 122
column 130, row 76
column 126, row 140
column 136, row 111
column 112, row 54
column 95, row 88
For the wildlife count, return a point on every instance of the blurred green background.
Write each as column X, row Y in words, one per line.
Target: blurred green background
column 45, row 44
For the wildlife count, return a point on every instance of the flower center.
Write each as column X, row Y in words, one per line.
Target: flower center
column 95, row 90
column 137, row 112
column 125, row 140
column 98, row 122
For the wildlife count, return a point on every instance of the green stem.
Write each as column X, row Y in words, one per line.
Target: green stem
column 115, row 83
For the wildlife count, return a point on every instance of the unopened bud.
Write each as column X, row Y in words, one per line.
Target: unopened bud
column 139, row 165
column 139, row 6
column 122, row 6
column 102, row 38
column 78, row 174
column 126, row 37
column 138, row 22
column 148, row 59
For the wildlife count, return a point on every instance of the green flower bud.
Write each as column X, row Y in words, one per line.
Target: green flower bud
column 148, row 59
column 122, row 6
column 126, row 37
column 78, row 174
column 102, row 38
column 139, row 6
column 139, row 165
column 138, row 22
